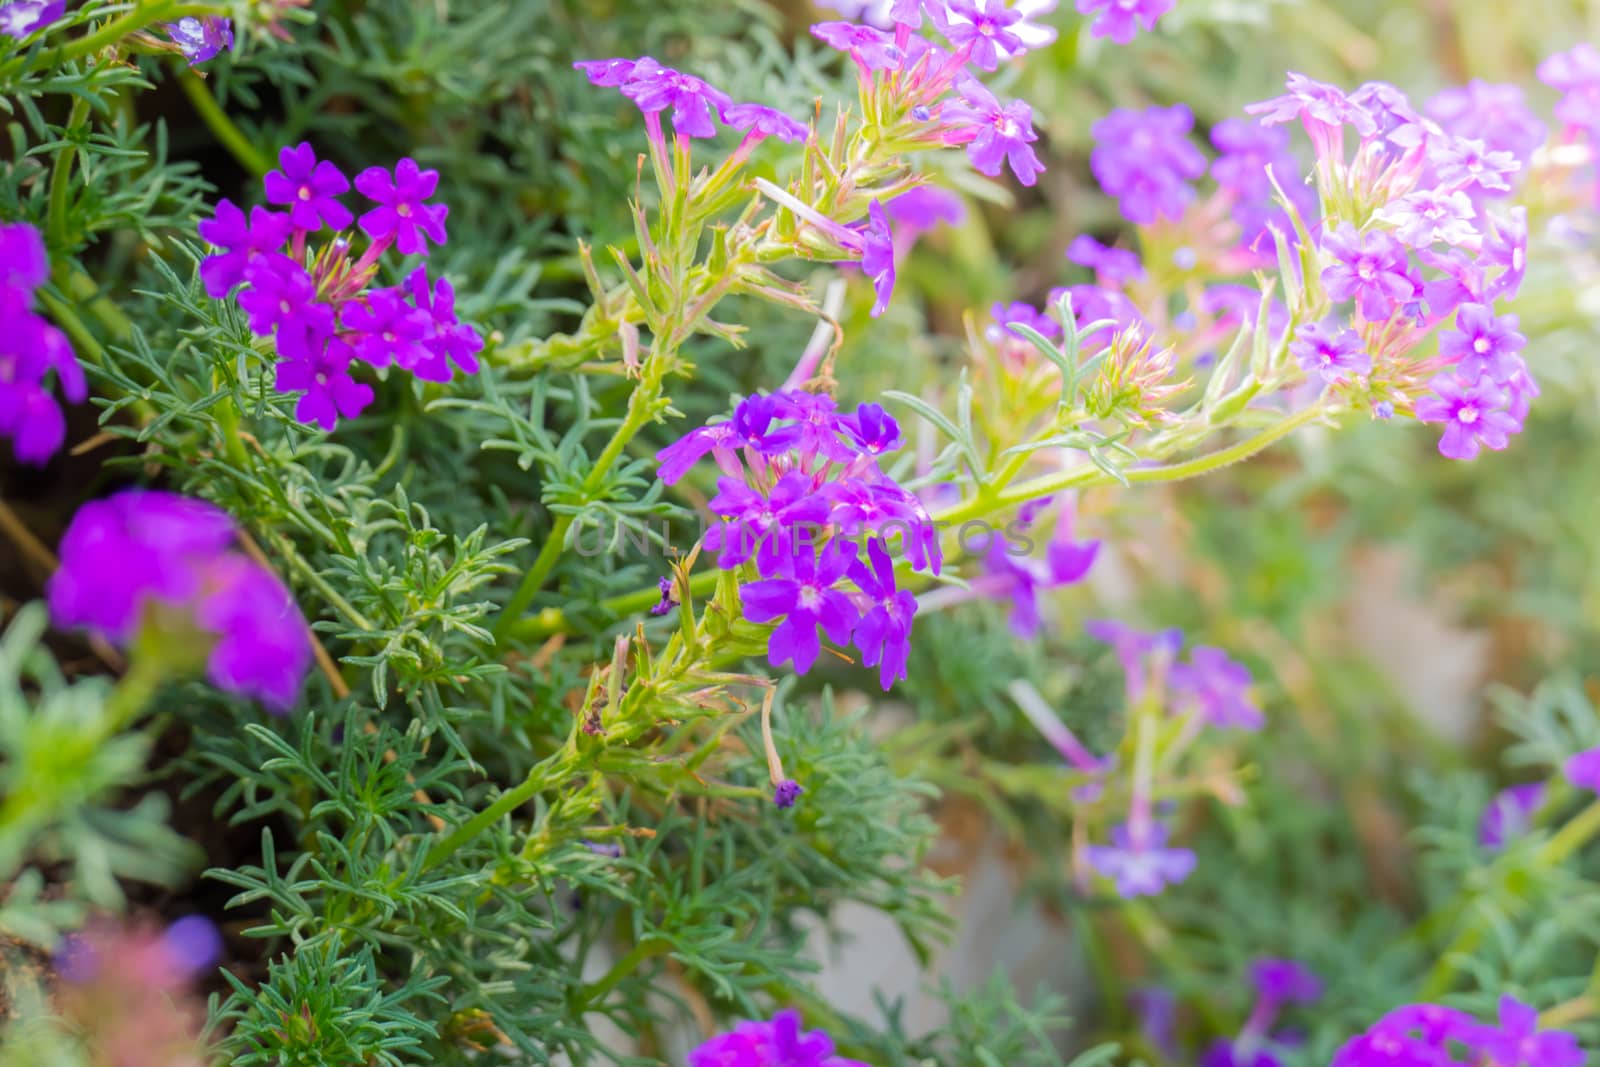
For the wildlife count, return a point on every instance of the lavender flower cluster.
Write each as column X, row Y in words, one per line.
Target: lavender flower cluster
column 316, row 302
column 31, row 349
column 143, row 560
column 801, row 489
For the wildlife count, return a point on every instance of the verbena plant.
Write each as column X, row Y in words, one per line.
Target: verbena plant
column 520, row 467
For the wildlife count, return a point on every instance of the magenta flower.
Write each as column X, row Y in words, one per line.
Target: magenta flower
column 31, row 349
column 22, row 18
column 200, row 39
column 872, row 430
column 281, row 294
column 1510, row 814
column 763, row 525
column 655, row 88
column 883, row 633
column 1583, row 769
column 24, row 260
column 401, row 214
column 1121, row 20
column 125, row 555
column 720, row 439
column 1112, row 266
column 764, row 121
column 387, row 329
column 1497, row 115
column 1506, row 246
column 309, row 188
column 446, row 339
column 983, row 27
column 1428, row 216
column 323, row 375
column 805, row 600
column 758, row 421
column 1333, row 356
column 1369, row 268
column 1473, row 415
column 1145, row 160
column 1482, row 344
column 1432, row 1023
column 779, row 1043
column 608, row 73
column 1518, row 1040
column 243, row 242
column 1216, row 688
column 1285, row 981
column 1001, row 134
column 871, row 49
column 877, row 256
column 1141, row 865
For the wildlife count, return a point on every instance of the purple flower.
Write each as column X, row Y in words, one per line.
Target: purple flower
column 1497, row 115
column 123, row 555
column 883, row 633
column 1141, row 866
column 666, row 603
column 1240, row 1053
column 1432, row 1023
column 1506, row 247
column 1377, row 1048
column 1145, row 657
column 401, row 213
column 30, row 350
column 1021, row 578
column 193, row 943
column 1583, row 769
column 762, row 524
column 1112, row 266
column 24, row 260
column 817, row 423
column 265, row 233
column 753, row 421
column 1482, row 344
column 655, row 88
column 1096, row 303
column 1285, row 981
column 1518, row 1039
column 983, row 27
column 1324, row 110
column 877, row 256
column 1000, row 134
column 1334, row 356
column 323, row 375
column 1146, row 160
column 1473, row 415
column 1471, row 165
column 1429, row 215
column 1216, row 688
column 608, row 73
column 1576, row 72
column 1121, row 20
column 873, row 430
column 805, row 600
column 1371, row 269
column 779, row 1043
column 871, row 49
column 446, row 340
column 309, row 188
column 1510, row 814
column 678, row 457
column 1247, row 149
column 282, row 295
column 388, row 329
column 764, row 121
column 200, row 39
column 786, row 792
column 922, row 208
column 1021, row 313
column 20, row 18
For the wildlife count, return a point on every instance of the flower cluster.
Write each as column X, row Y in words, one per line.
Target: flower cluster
column 145, row 558
column 31, row 349
column 1277, row 983
column 778, row 1043
column 803, row 498
column 316, row 302
column 696, row 104
column 1146, row 161
column 23, row 18
column 1431, row 1035
column 1121, row 20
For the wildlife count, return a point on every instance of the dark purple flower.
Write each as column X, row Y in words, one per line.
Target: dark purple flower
column 883, row 634
column 1001, row 134
column 1518, row 1039
column 1112, row 266
column 877, row 256
column 1473, row 415
column 1583, row 769
column 786, row 792
column 766, row 122
column 655, row 88
column 805, row 600
column 1482, row 344
column 1216, row 688
column 243, row 241
column 763, row 525
column 446, row 340
column 1510, row 814
column 310, row 189
column 666, row 603
column 1146, row 160
column 981, row 26
column 871, row 49
column 200, row 39
column 401, row 213
column 1145, row 657
column 1285, row 981
column 323, row 375
column 1141, row 866
column 678, row 457
column 388, row 330
column 779, row 1043
column 1121, row 20
column 1241, row 1053
column 1333, row 356
column 21, row 18
column 874, row 431
column 1371, row 269
column 1494, row 114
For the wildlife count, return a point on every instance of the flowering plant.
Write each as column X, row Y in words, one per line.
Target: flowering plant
column 521, row 520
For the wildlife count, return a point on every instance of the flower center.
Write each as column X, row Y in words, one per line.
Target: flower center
column 810, row 597
column 388, row 335
column 305, row 192
column 1005, row 126
column 1481, row 345
column 404, row 211
column 284, row 306
column 1468, row 414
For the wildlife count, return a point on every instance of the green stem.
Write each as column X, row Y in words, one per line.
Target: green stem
column 503, row 805
column 61, row 173
column 596, row 992
column 222, row 127
column 531, row 582
column 141, row 17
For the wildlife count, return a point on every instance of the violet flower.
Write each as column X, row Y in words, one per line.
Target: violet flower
column 1518, row 1039
column 1429, row 216
column 805, row 598
column 1497, row 115
column 1216, row 688
column 23, row 18
column 1141, row 866
column 1473, row 415
column 883, row 633
column 401, row 214
column 999, row 134
column 779, row 1043
column 309, row 188
column 1583, row 769
column 1335, row 357
column 871, row 49
column 200, row 39
column 1145, row 160
column 1482, row 344
column 982, row 28
column 1121, row 20
column 1370, row 268
column 31, row 350
column 1509, row 814
column 323, row 375
column 242, row 241
column 763, row 121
